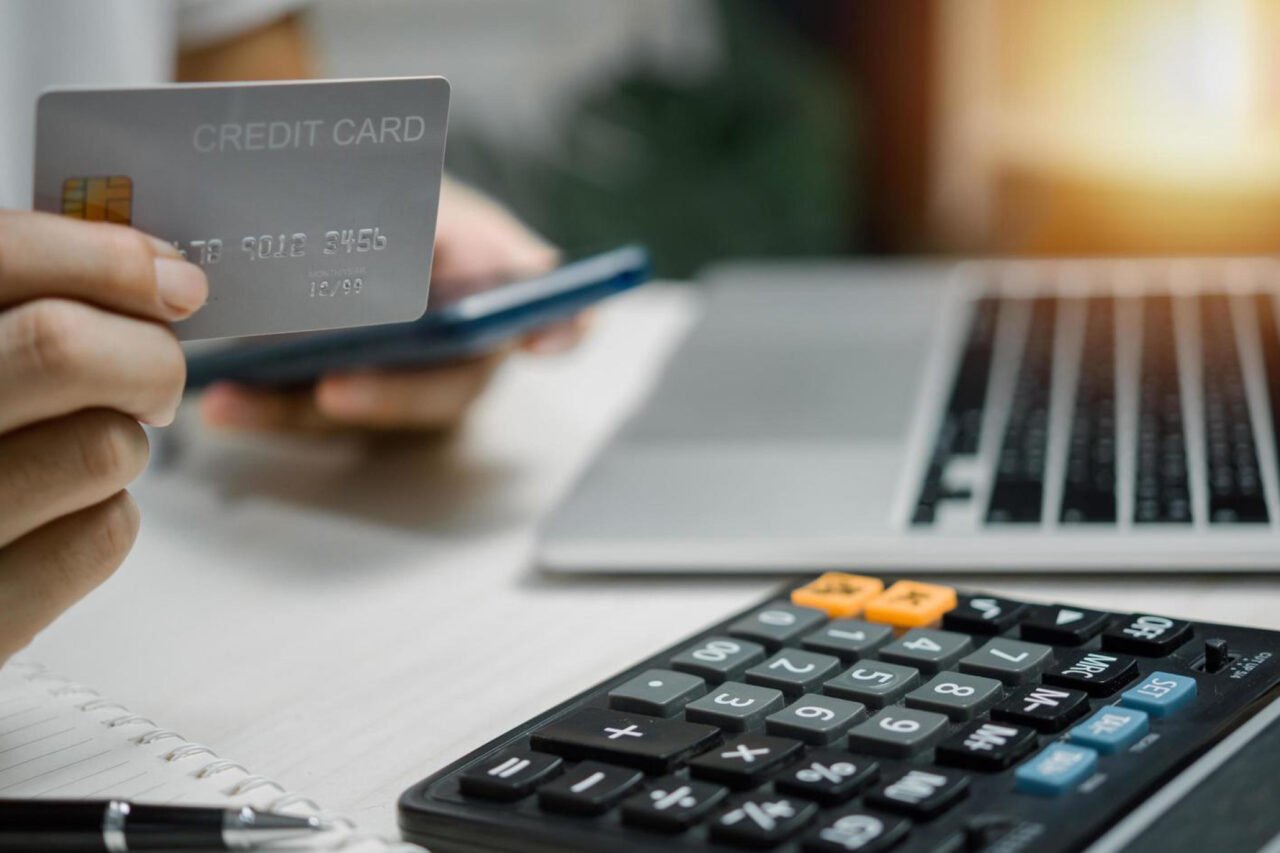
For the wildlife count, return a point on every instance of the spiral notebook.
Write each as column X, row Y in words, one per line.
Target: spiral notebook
column 61, row 740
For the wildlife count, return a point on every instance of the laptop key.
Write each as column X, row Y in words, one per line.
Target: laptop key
column 1161, row 487
column 1089, row 485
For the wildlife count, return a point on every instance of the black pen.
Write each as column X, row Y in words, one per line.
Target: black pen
column 115, row 826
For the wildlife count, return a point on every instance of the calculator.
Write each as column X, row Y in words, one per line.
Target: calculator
column 851, row 714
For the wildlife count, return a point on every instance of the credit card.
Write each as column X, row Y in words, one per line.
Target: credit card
column 310, row 205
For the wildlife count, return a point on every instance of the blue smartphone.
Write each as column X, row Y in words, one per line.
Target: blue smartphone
column 466, row 327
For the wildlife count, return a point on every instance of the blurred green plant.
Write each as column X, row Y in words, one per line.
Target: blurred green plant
column 756, row 159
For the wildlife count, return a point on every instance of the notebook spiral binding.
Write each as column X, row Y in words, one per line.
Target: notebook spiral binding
column 186, row 750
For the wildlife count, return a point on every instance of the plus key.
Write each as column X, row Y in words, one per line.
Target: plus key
column 635, row 740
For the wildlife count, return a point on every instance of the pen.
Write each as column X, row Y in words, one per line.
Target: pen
column 116, row 826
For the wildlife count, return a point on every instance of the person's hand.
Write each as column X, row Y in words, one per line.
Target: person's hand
column 478, row 242
column 84, row 358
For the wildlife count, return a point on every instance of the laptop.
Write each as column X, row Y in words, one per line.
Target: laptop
column 996, row 415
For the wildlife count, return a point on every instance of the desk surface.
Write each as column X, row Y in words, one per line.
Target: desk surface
column 348, row 619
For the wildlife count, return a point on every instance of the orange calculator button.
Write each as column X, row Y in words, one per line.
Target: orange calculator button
column 837, row 594
column 910, row 604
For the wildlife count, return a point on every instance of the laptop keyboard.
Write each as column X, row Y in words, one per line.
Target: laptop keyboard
column 1037, row 433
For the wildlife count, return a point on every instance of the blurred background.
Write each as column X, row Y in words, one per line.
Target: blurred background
column 727, row 128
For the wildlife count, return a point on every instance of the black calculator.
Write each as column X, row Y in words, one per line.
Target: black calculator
column 850, row 714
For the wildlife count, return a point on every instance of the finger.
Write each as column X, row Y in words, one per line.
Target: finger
column 559, row 337
column 45, row 572
column 420, row 399
column 114, row 267
column 62, row 466
column 236, row 407
column 58, row 357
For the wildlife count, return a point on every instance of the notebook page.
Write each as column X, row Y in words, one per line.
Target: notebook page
column 60, row 740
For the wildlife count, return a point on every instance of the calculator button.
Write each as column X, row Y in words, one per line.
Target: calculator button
column 672, row 804
column 987, row 746
column 918, row 793
column 898, row 732
column 1044, row 708
column 1096, row 673
column 858, row 831
column 1010, row 661
column 927, row 649
column 1111, row 729
column 873, row 683
column 793, row 670
column 1160, row 694
column 777, row 623
column 850, row 639
column 744, row 761
column 816, row 719
column 718, row 658
column 838, row 594
column 762, row 821
column 659, row 692
column 911, row 604
column 828, row 776
column 1056, row 769
column 649, row 743
column 590, row 788
column 509, row 775
column 734, row 706
column 961, row 697
column 1144, row 634
column 1062, row 626
column 983, row 614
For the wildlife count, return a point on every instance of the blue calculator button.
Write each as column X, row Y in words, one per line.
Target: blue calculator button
column 1055, row 769
column 1160, row 694
column 1111, row 729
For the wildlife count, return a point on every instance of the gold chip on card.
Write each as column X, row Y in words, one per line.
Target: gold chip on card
column 100, row 199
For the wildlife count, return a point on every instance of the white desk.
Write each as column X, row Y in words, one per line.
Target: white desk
column 349, row 620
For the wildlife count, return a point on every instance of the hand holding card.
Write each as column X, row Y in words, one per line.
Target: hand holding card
column 310, row 205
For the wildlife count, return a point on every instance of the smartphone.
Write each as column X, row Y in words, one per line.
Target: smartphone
column 468, row 326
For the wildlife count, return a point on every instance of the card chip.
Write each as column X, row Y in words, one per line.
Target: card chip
column 106, row 199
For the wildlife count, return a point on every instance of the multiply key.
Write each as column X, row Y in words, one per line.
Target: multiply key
column 745, row 761
column 649, row 743
column 1096, row 673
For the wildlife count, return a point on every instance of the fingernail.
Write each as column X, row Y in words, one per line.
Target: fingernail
column 165, row 248
column 344, row 396
column 222, row 406
column 183, row 287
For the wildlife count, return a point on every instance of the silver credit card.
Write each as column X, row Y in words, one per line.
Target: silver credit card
column 311, row 205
